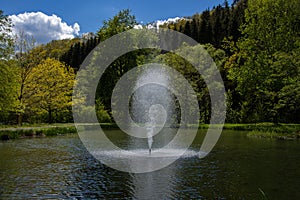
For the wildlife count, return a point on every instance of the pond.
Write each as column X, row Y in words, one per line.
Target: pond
column 239, row 167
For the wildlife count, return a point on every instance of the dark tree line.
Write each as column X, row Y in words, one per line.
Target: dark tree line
column 212, row 26
column 79, row 51
column 254, row 43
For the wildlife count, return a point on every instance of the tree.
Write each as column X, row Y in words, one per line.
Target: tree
column 6, row 41
column 48, row 88
column 225, row 19
column 213, row 26
column 205, row 28
column 197, row 55
column 288, row 105
column 195, row 27
column 102, row 114
column 78, row 51
column 263, row 62
column 8, row 69
column 237, row 18
column 215, row 18
column 121, row 22
column 9, row 86
column 187, row 28
column 26, row 60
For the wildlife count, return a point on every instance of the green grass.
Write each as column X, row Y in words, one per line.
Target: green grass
column 274, row 135
column 58, row 131
column 260, row 130
column 42, row 130
column 263, row 130
column 37, row 131
column 268, row 130
column 27, row 125
column 263, row 194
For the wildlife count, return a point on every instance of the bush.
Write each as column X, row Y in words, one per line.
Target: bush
column 59, row 131
column 102, row 114
column 17, row 133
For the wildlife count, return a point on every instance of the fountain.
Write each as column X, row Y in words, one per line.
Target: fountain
column 150, row 137
column 143, row 104
column 154, row 114
column 147, row 104
column 153, row 104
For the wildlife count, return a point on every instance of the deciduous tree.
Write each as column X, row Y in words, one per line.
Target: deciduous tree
column 6, row 40
column 48, row 88
column 266, row 56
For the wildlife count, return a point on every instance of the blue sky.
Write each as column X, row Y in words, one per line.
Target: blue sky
column 89, row 14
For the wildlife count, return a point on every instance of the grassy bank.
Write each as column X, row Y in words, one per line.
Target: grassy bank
column 274, row 135
column 266, row 130
column 33, row 126
column 36, row 131
column 261, row 130
column 43, row 130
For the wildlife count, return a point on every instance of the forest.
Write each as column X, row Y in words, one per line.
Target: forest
column 255, row 44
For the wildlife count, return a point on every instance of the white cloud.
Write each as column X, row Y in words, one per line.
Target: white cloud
column 170, row 20
column 157, row 23
column 44, row 28
column 138, row 26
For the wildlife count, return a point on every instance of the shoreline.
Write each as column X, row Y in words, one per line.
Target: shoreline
column 259, row 130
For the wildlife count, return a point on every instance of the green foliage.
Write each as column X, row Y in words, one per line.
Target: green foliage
column 48, row 88
column 78, row 51
column 192, row 75
column 259, row 63
column 119, row 23
column 9, row 86
column 33, row 132
column 10, row 134
column 25, row 60
column 54, row 49
column 102, row 114
column 6, row 41
column 57, row 131
column 267, row 60
column 232, row 114
column 213, row 26
column 274, row 135
column 265, row 130
column 263, row 194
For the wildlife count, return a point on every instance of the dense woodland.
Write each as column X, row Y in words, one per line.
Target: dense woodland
column 255, row 44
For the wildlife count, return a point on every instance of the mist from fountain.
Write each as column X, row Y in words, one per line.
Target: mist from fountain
column 149, row 112
column 152, row 104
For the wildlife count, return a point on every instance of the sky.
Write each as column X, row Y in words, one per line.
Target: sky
column 59, row 19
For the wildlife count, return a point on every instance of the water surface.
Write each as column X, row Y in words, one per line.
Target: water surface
column 237, row 168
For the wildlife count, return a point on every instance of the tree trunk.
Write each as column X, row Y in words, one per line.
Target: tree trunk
column 20, row 119
column 49, row 115
column 275, row 119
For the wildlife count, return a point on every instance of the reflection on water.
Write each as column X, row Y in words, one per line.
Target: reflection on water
column 61, row 168
column 155, row 185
